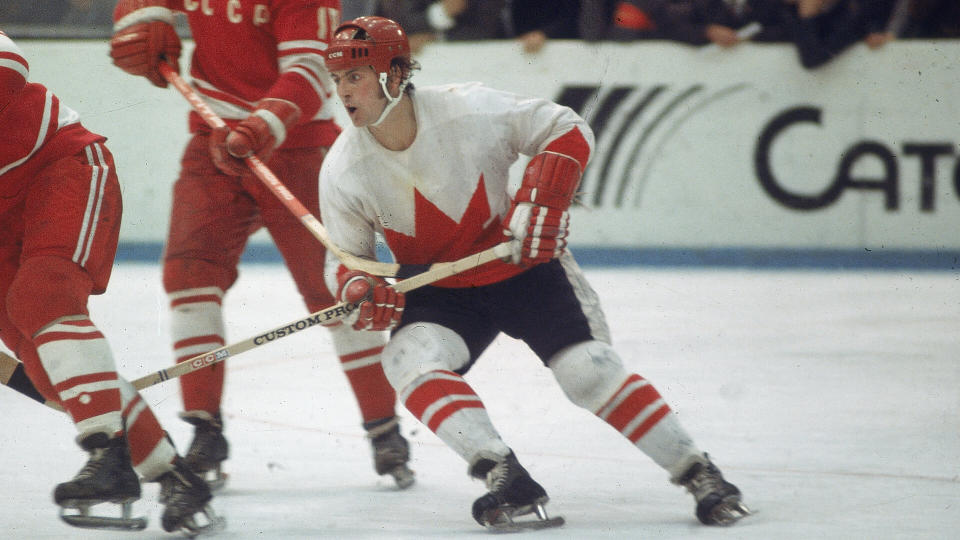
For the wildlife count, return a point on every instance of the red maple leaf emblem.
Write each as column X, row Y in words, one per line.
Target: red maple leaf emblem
column 438, row 238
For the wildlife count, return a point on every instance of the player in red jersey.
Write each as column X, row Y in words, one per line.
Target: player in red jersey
column 259, row 66
column 60, row 210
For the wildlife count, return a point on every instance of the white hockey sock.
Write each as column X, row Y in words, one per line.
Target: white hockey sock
column 78, row 360
column 640, row 414
column 445, row 403
column 196, row 321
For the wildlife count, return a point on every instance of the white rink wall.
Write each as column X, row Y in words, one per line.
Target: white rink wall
column 729, row 151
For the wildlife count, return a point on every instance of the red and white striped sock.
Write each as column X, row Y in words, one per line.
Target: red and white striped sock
column 640, row 414
column 445, row 403
column 359, row 353
column 80, row 365
column 196, row 326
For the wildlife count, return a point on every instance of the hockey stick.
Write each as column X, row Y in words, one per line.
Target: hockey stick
column 13, row 375
column 328, row 315
column 261, row 171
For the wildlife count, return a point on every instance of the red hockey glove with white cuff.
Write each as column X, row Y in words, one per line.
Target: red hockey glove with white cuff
column 143, row 36
column 538, row 220
column 540, row 233
column 257, row 135
column 380, row 306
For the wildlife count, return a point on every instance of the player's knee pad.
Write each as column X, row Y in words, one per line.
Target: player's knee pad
column 347, row 341
column 421, row 348
column 588, row 372
column 46, row 289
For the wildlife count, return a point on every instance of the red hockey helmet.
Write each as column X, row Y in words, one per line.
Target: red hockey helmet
column 367, row 41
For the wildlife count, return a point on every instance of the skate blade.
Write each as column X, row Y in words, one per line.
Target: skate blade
column 403, row 476
column 211, row 524
column 501, row 520
column 84, row 520
column 728, row 513
column 528, row 525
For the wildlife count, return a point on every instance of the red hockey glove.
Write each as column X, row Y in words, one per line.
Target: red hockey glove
column 380, row 306
column 259, row 134
column 539, row 232
column 143, row 36
column 538, row 220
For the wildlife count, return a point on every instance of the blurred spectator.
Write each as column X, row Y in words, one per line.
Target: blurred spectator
column 532, row 22
column 351, row 9
column 453, row 20
column 727, row 23
column 932, row 19
column 89, row 13
column 32, row 11
column 825, row 28
column 724, row 23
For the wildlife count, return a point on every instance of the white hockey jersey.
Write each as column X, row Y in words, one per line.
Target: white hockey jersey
column 444, row 196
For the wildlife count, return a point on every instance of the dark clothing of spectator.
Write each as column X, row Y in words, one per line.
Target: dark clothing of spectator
column 482, row 19
column 555, row 18
column 32, row 11
column 771, row 15
column 932, row 19
column 821, row 38
column 685, row 21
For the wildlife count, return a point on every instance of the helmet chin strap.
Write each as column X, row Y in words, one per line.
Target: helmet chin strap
column 391, row 101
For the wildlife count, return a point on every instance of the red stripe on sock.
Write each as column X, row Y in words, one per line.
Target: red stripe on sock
column 432, row 390
column 360, row 354
column 144, row 434
column 84, row 379
column 196, row 300
column 648, row 424
column 47, row 337
column 450, row 408
column 209, row 339
column 95, row 404
column 375, row 396
column 634, row 404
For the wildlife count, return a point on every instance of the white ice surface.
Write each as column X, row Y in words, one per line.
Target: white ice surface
column 831, row 399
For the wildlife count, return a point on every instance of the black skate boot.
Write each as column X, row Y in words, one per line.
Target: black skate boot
column 512, row 493
column 391, row 452
column 718, row 501
column 185, row 497
column 209, row 448
column 108, row 476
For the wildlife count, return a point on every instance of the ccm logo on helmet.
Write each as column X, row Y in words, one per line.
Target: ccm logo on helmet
column 337, row 54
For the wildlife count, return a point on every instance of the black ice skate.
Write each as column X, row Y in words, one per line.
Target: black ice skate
column 512, row 494
column 185, row 497
column 391, row 452
column 718, row 501
column 108, row 477
column 209, row 448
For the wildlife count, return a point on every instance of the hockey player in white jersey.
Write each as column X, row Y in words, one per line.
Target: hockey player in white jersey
column 428, row 170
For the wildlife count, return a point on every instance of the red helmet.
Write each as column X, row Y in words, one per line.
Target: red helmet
column 367, row 41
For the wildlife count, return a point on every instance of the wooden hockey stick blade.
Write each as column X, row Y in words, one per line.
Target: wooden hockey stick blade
column 324, row 316
column 265, row 175
column 14, row 376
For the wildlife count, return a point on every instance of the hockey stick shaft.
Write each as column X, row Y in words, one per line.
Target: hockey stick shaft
column 14, row 376
column 12, row 372
column 265, row 175
column 324, row 316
